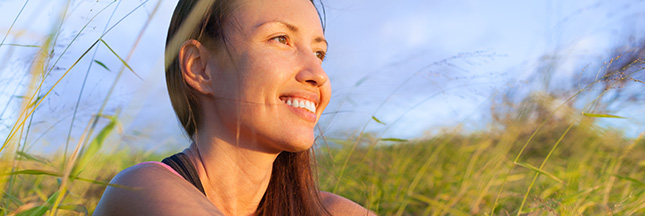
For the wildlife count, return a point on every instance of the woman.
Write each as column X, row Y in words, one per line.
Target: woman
column 248, row 87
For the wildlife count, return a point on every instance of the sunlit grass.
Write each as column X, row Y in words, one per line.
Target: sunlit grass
column 594, row 171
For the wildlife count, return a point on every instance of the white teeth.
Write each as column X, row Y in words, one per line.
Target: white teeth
column 304, row 104
column 311, row 107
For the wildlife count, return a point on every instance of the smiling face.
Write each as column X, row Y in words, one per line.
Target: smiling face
column 268, row 87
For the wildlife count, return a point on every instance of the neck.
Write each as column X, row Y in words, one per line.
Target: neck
column 234, row 178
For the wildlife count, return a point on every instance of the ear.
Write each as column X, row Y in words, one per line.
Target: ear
column 193, row 61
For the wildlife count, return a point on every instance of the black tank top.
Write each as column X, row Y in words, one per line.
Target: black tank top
column 180, row 163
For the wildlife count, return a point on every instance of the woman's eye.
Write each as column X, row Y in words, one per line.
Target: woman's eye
column 320, row 55
column 281, row 39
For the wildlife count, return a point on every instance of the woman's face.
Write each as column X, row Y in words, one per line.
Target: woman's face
column 270, row 88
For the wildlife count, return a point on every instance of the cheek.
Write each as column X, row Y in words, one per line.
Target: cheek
column 240, row 77
column 259, row 81
column 325, row 91
column 269, row 68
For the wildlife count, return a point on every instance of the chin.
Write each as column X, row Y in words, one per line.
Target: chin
column 298, row 144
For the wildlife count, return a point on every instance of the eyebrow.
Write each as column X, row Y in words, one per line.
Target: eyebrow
column 294, row 29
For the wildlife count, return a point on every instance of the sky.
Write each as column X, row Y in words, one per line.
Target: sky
column 417, row 66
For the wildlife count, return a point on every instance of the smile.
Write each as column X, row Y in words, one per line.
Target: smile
column 300, row 103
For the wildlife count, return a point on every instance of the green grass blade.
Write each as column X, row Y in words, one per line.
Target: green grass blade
column 102, row 65
column 377, row 120
column 35, row 101
column 32, row 172
column 531, row 167
column 597, row 115
column 20, row 45
column 24, row 155
column 55, row 174
column 77, row 208
column 394, row 140
column 12, row 198
column 38, row 210
column 122, row 61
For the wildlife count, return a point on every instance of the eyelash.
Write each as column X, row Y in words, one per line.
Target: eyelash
column 320, row 55
column 283, row 39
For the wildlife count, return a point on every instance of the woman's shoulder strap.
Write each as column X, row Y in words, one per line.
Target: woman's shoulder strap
column 182, row 165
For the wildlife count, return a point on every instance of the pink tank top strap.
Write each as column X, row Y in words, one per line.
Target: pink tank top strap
column 161, row 164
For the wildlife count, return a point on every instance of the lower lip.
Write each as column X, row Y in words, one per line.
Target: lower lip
column 309, row 116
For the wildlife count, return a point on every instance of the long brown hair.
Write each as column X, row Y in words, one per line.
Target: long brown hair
column 292, row 189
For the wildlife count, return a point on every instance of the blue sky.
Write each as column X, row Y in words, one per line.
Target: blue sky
column 415, row 65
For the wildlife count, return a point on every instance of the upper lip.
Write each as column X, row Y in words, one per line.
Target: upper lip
column 307, row 95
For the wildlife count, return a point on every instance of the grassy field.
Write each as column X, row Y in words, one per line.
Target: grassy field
column 546, row 153
column 592, row 171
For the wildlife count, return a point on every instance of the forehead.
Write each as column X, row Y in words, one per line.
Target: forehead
column 301, row 14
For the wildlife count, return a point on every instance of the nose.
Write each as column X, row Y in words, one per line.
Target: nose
column 312, row 72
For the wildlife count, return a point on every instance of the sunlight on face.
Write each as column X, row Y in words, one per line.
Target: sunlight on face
column 270, row 83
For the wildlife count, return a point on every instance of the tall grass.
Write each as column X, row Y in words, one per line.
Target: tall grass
column 594, row 171
column 70, row 168
column 541, row 154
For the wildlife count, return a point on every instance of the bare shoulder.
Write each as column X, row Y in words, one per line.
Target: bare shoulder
column 151, row 189
column 338, row 205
